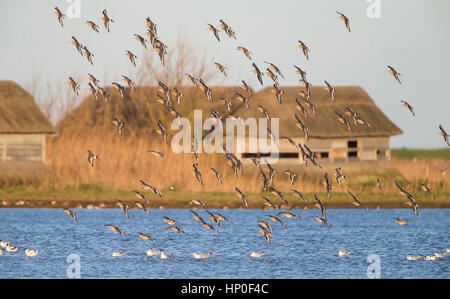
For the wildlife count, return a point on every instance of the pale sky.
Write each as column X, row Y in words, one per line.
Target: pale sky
column 410, row 35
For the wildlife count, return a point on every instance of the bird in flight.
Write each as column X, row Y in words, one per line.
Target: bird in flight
column 356, row 202
column 75, row 86
column 227, row 29
column 330, row 89
column 444, row 134
column 118, row 124
column 245, row 51
column 124, row 207
column 115, row 229
column 71, row 213
column 304, row 48
column 258, row 73
column 106, row 19
column 221, row 68
column 93, row 26
column 394, row 73
column 345, row 20
column 426, row 189
column 60, row 16
column 275, row 68
column 141, row 40
column 131, row 56
column 214, row 30
column 343, row 120
column 242, row 196
column 407, row 105
column 91, row 157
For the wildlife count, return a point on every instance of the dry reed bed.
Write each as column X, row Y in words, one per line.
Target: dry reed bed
column 124, row 160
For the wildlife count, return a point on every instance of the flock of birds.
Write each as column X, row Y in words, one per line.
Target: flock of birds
column 169, row 97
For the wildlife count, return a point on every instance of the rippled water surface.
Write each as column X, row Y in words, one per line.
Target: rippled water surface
column 307, row 249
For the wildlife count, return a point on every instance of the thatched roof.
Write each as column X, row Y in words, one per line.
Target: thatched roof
column 140, row 109
column 19, row 113
column 324, row 123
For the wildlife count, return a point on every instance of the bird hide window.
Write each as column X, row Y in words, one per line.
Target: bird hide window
column 255, row 155
column 288, row 155
column 322, row 155
column 352, row 144
column 352, row 154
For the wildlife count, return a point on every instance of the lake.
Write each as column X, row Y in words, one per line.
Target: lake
column 306, row 249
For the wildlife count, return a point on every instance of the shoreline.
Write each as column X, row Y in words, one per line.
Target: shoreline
column 176, row 199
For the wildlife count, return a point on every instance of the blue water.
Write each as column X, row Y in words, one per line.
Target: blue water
column 307, row 249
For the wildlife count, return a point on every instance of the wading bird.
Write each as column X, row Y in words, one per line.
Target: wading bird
column 140, row 205
column 245, row 51
column 146, row 237
column 256, row 254
column 275, row 68
column 197, row 173
column 153, row 252
column 118, row 253
column 141, row 196
column 165, row 256
column 217, row 174
column 169, row 221
column 322, row 207
column 91, row 157
column 400, row 221
column 71, row 213
column 343, row 120
column 394, row 73
column 304, row 48
column 345, row 20
column 198, row 202
column 93, row 90
column 227, row 29
column 246, row 88
column 209, row 226
column 141, row 40
column 275, row 219
column 77, row 45
column 214, row 30
column 202, row 255
column 31, row 252
column 343, row 253
column 258, row 73
column 291, row 175
column 407, row 105
column 300, row 195
column 289, row 215
column 59, row 15
column 356, row 202
column 129, row 82
column 221, row 68
column 124, row 207
column 75, row 86
column 242, row 196
column 106, row 19
column 120, row 88
column 426, row 189
column 444, row 134
column 115, row 229
column 161, row 131
column 93, row 26
column 118, row 124
column 330, row 89
column 176, row 229
column 131, row 56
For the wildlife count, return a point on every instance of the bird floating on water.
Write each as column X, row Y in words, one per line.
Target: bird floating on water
column 202, row 255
